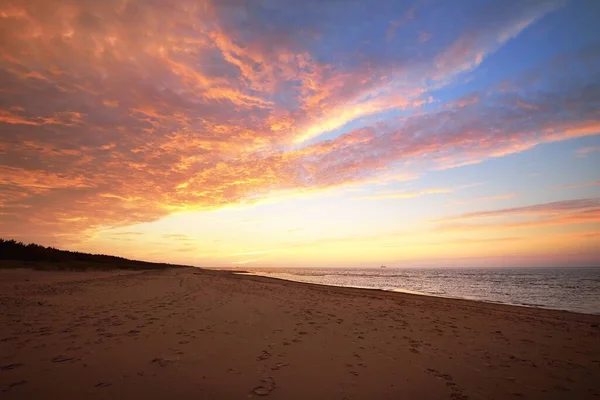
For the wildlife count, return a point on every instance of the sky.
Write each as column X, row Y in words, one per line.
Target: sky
column 266, row 133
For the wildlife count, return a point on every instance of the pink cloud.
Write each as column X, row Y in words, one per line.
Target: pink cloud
column 424, row 37
column 557, row 207
column 577, row 185
column 568, row 212
column 584, row 151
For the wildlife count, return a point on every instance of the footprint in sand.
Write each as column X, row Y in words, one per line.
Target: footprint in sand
column 279, row 366
column 266, row 387
column 61, row 358
column 10, row 366
column 12, row 385
column 161, row 361
column 456, row 391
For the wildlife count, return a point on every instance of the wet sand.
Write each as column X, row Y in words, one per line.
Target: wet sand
column 188, row 333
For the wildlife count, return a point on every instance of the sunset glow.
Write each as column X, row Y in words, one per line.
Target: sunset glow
column 314, row 133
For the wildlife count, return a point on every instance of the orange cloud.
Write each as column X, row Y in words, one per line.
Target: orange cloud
column 10, row 118
column 557, row 207
column 578, row 211
column 37, row 181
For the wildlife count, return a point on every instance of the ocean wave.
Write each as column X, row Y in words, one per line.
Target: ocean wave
column 570, row 289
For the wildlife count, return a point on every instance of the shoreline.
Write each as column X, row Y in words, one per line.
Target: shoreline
column 197, row 333
column 420, row 294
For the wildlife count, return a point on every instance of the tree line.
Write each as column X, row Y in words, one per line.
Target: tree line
column 19, row 251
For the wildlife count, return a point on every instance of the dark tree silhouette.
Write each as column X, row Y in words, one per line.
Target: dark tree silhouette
column 18, row 251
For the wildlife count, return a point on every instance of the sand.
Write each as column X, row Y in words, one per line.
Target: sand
column 193, row 334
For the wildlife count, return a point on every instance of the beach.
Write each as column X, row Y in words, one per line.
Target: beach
column 191, row 333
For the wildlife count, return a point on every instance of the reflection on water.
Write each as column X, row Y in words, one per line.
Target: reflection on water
column 572, row 289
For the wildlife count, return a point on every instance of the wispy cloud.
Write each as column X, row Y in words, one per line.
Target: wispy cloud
column 486, row 199
column 576, row 185
column 557, row 207
column 424, row 36
column 178, row 237
column 407, row 16
column 464, row 241
column 485, row 36
column 584, row 151
column 406, row 195
column 387, row 194
column 577, row 211
column 574, row 218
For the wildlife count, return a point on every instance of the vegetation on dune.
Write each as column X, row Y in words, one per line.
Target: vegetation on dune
column 11, row 250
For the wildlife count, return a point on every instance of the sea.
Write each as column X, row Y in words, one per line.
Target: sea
column 574, row 289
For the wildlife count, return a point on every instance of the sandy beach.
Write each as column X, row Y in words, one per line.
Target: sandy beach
column 189, row 333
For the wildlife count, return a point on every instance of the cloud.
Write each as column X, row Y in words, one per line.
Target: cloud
column 409, row 15
column 39, row 181
column 185, row 249
column 576, row 185
column 557, row 207
column 386, row 194
column 487, row 199
column 178, row 237
column 115, row 113
column 468, row 241
column 584, row 151
column 483, row 36
column 580, row 217
column 424, row 36
column 576, row 211
column 406, row 195
column 588, row 235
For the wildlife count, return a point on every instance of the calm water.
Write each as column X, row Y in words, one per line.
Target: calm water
column 572, row 289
